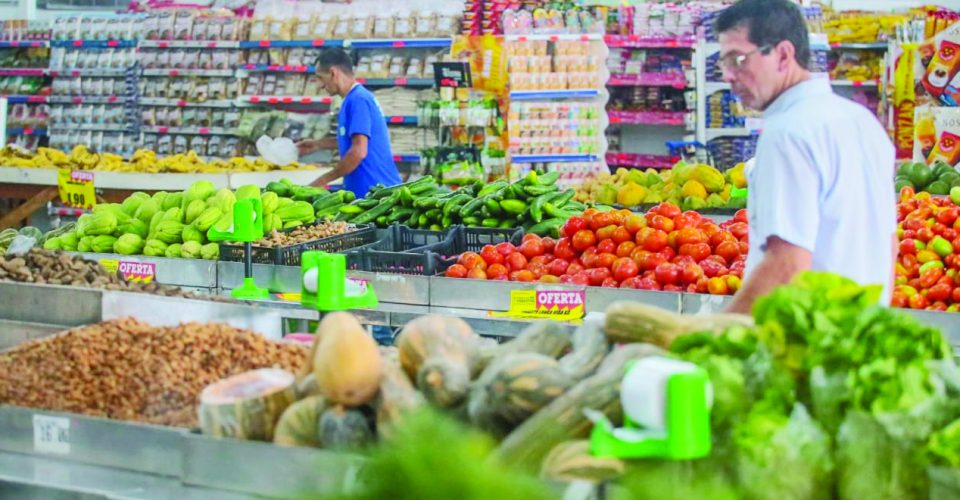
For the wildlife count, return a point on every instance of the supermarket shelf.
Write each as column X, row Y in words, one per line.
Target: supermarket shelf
column 155, row 101
column 665, row 118
column 562, row 158
column 537, row 95
column 712, row 87
column 66, row 99
column 399, row 43
column 99, row 127
column 22, row 71
column 574, row 37
column 289, row 44
column 861, row 46
column 16, row 44
column 189, row 44
column 105, row 72
column 396, row 82
column 849, row 83
column 407, row 158
column 26, row 99
column 714, row 133
column 189, row 130
column 37, row 132
column 277, row 68
column 94, row 44
column 402, row 120
column 649, row 80
column 631, row 160
column 650, row 42
column 188, row 72
column 286, row 99
column 160, row 182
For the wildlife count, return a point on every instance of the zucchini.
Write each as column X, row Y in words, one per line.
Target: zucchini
column 549, row 178
column 513, row 207
column 400, row 214
column 381, row 209
column 490, row 222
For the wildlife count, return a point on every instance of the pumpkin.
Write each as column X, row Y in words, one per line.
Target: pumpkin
column 397, row 395
column 341, row 428
column 635, row 322
column 571, row 461
column 544, row 337
column 589, row 348
column 248, row 405
column 513, row 388
column 298, row 424
column 307, row 386
column 441, row 354
column 563, row 418
column 347, row 361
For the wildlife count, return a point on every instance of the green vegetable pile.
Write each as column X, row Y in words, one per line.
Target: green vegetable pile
column 535, row 203
column 175, row 224
column 938, row 179
column 839, row 396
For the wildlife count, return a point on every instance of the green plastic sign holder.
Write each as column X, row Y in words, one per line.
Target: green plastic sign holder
column 685, row 401
column 247, row 227
column 323, row 284
column 739, row 192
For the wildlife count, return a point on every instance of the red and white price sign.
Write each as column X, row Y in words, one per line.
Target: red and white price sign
column 76, row 188
column 139, row 272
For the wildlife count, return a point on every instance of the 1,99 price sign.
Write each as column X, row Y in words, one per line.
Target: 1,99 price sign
column 76, row 188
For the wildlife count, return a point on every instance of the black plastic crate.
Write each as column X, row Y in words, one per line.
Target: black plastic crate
column 290, row 255
column 375, row 261
column 473, row 239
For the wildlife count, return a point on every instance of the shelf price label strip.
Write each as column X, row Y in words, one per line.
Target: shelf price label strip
column 76, row 188
column 139, row 272
column 557, row 305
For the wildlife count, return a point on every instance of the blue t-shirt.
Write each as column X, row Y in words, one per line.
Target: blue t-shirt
column 361, row 114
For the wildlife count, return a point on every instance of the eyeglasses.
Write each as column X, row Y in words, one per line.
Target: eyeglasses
column 736, row 61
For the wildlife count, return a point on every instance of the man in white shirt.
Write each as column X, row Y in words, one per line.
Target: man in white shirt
column 821, row 193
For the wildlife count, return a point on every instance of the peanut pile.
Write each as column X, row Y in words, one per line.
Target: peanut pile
column 58, row 268
column 304, row 234
column 128, row 370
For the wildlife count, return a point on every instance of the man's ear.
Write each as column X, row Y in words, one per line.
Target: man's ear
column 786, row 53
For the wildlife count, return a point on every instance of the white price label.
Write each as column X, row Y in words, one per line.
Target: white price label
column 51, row 434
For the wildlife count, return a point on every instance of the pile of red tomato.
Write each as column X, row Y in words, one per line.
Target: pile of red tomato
column 928, row 264
column 666, row 249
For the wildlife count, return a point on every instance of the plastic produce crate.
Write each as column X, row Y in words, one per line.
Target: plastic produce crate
column 402, row 250
column 473, row 239
column 290, row 255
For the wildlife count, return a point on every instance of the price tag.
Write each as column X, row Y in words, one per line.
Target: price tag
column 51, row 434
column 558, row 305
column 76, row 188
column 290, row 297
column 139, row 272
column 110, row 265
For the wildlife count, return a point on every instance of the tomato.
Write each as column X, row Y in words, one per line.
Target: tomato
column 606, row 232
column 938, row 228
column 496, row 271
column 531, row 248
column 477, row 274
column 605, row 260
column 728, row 250
column 602, row 219
column 530, row 236
column 538, row 270
column 683, row 260
column 741, row 216
column 625, row 268
column 549, row 278
column 575, row 267
column 917, row 302
column 739, row 230
column 718, row 286
column 712, row 269
column 955, row 295
column 924, row 256
column 558, row 267
column 506, row 248
column 607, row 246
column 472, row 260
column 573, row 225
column 733, row 283
column 597, row 275
column 516, row 261
column 722, row 236
column 564, row 250
column 690, row 236
column 899, row 300
column 653, row 260
column 908, row 247
column 638, row 254
column 634, row 223
column 744, row 248
column 662, row 223
column 625, row 249
column 456, row 271
column 949, row 234
column 589, row 257
column 630, row 283
column 930, row 277
column 653, row 241
column 698, row 251
column 490, row 255
column 912, row 224
column 648, row 284
column 667, row 210
column 610, row 283
column 583, row 240
column 548, row 244
column 925, row 234
column 522, row 275
column 668, row 253
column 948, row 216
column 691, row 273
column 667, row 274
column 621, row 234
column 542, row 259
column 737, row 268
column 581, row 278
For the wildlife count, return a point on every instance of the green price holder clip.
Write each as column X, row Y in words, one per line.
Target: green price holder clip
column 247, row 227
column 324, row 284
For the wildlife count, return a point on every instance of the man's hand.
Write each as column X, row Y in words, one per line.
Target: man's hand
column 781, row 262
column 309, row 146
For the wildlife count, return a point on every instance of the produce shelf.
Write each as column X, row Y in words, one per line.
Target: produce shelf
column 189, row 130
column 172, row 72
column 650, row 42
column 559, row 158
column 26, row 99
column 23, row 71
column 189, row 44
column 94, row 44
column 666, row 118
column 37, row 132
column 289, row 255
column 286, row 99
column 16, row 44
column 539, row 95
column 153, row 101
column 66, row 99
column 677, row 80
column 289, row 44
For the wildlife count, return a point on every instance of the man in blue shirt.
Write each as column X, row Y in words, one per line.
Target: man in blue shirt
column 362, row 139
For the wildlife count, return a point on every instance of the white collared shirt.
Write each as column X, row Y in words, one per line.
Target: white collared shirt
column 823, row 181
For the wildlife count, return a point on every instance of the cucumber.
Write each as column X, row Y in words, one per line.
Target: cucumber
column 549, row 178
column 382, row 209
column 351, row 209
column 382, row 221
column 490, row 222
column 471, row 207
column 414, row 187
column 507, row 224
column 493, row 208
column 400, row 214
column 539, row 190
column 513, row 207
column 547, row 227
